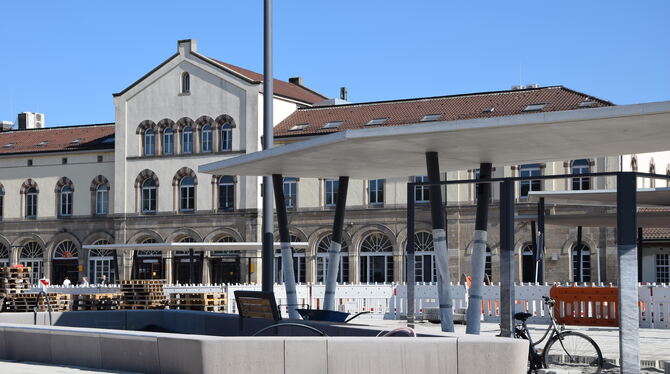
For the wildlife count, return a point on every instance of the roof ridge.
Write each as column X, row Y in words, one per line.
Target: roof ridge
column 60, row 127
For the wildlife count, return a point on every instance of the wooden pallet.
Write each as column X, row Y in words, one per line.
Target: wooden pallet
column 143, row 294
column 101, row 301
column 28, row 302
column 212, row 302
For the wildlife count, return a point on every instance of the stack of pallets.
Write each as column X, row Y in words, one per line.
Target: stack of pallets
column 208, row 302
column 13, row 280
column 28, row 301
column 99, row 301
column 143, row 294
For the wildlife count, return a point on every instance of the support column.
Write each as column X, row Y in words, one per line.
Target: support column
column 285, row 242
column 268, row 137
column 440, row 243
column 629, row 334
column 539, row 250
column 191, row 267
column 580, row 272
column 507, row 258
column 479, row 252
column 640, row 253
column 409, row 252
column 335, row 245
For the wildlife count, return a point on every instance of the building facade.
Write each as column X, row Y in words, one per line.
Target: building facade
column 136, row 181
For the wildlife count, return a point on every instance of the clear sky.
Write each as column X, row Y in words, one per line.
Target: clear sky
column 66, row 58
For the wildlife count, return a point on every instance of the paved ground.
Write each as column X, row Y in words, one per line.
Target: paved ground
column 11, row 367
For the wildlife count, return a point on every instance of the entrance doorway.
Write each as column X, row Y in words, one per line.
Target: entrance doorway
column 225, row 269
column 65, row 263
column 181, row 267
column 148, row 265
column 527, row 264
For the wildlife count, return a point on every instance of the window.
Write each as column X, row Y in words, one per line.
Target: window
column 376, row 191
column 168, row 141
column 322, row 260
column 587, row 104
column 66, row 201
column 149, row 142
column 226, row 193
column 377, row 121
column 376, row 258
column 290, row 192
column 187, row 194
column 64, row 160
column 102, row 199
column 530, row 170
column 663, row 268
column 4, row 256
column 29, row 163
column 102, row 262
column 298, row 127
column 187, row 140
column 149, row 196
column 425, row 268
column 31, row 203
column 488, row 110
column 299, row 268
column 581, row 167
column 528, row 265
column 207, row 138
column 581, row 259
column 431, row 117
column 99, row 158
column 332, row 124
column 331, row 187
column 226, row 138
column 185, row 83
column 421, row 193
column 534, row 107
column 32, row 256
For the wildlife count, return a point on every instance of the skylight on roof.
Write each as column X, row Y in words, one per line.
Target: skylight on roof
column 8, row 145
column 534, row 107
column 77, row 141
column 587, row 103
column 332, row 124
column 488, row 110
column 431, row 117
column 298, row 127
column 43, row 142
column 377, row 121
column 108, row 140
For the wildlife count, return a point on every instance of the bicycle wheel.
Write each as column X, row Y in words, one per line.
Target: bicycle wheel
column 573, row 350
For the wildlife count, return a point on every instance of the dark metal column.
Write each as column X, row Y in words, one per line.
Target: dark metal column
column 268, row 93
column 629, row 334
column 410, row 271
column 640, row 251
column 539, row 249
column 285, row 242
column 507, row 258
column 191, row 266
column 440, row 243
column 479, row 242
column 578, row 249
column 335, row 245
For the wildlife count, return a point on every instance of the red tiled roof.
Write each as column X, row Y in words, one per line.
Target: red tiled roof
column 56, row 139
column 457, row 107
column 655, row 233
column 281, row 88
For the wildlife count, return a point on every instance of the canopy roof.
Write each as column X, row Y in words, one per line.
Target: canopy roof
column 645, row 196
column 185, row 246
column 510, row 140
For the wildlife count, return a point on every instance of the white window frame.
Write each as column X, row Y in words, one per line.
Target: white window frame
column 146, row 202
column 66, row 201
column 330, row 190
column 376, row 191
column 290, row 192
column 102, row 199
column 187, row 140
column 421, row 193
column 226, row 138
column 529, row 170
column 168, row 145
column 187, row 194
column 206, row 138
column 149, row 142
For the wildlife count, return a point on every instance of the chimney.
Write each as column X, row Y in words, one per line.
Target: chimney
column 298, row 81
column 186, row 45
column 344, row 94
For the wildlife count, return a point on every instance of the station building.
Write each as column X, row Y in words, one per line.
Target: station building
column 134, row 181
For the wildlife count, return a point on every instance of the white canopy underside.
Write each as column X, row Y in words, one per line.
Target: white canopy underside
column 645, row 197
column 200, row 246
column 398, row 151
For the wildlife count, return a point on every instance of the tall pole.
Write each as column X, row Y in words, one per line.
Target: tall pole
column 268, row 93
column 629, row 334
column 580, row 272
column 479, row 251
column 539, row 255
column 507, row 258
column 335, row 245
column 286, row 252
column 440, row 243
column 409, row 252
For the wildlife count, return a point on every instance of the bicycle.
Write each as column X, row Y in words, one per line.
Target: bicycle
column 563, row 350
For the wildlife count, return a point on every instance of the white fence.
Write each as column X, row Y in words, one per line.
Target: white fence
column 389, row 301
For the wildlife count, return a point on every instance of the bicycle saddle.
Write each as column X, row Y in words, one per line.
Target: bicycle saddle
column 522, row 316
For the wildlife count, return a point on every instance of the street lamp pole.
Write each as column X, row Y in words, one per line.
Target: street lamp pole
column 268, row 91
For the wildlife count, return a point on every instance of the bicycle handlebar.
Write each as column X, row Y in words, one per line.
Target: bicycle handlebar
column 548, row 300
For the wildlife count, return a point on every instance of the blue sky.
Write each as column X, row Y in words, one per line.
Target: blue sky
column 66, row 58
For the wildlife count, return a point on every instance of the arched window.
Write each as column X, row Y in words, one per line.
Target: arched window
column 31, row 203
column 226, row 137
column 149, row 196
column 581, row 260
column 4, row 256
column 226, row 193
column 206, row 138
column 187, row 140
column 228, row 266
column 187, row 194
column 581, row 166
column 32, row 256
column 322, row 260
column 298, row 263
column 425, row 268
column 376, row 258
column 528, row 265
column 168, row 141
column 149, row 142
column 102, row 199
column 148, row 264
column 66, row 201
column 101, row 262
column 185, row 83
column 527, row 185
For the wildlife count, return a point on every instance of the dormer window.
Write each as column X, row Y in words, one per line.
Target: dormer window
column 332, row 124
column 185, row 83
column 377, row 121
column 42, row 143
column 77, row 141
column 534, row 107
column 298, row 127
column 587, row 104
column 431, row 117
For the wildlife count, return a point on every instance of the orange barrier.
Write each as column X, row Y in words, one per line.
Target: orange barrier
column 586, row 306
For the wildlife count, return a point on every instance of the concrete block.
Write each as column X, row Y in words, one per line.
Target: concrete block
column 181, row 354
column 28, row 344
column 306, row 355
column 247, row 355
column 130, row 352
column 666, row 367
column 76, row 348
column 3, row 350
column 558, row 371
column 479, row 354
column 392, row 355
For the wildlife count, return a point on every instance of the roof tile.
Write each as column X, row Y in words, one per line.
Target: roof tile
column 55, row 139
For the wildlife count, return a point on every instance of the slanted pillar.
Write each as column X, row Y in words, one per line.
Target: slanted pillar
column 507, row 258
column 479, row 251
column 539, row 247
column 440, row 243
column 285, row 242
column 409, row 252
column 335, row 245
column 629, row 334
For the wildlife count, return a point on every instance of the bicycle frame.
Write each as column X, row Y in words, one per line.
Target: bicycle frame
column 536, row 358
